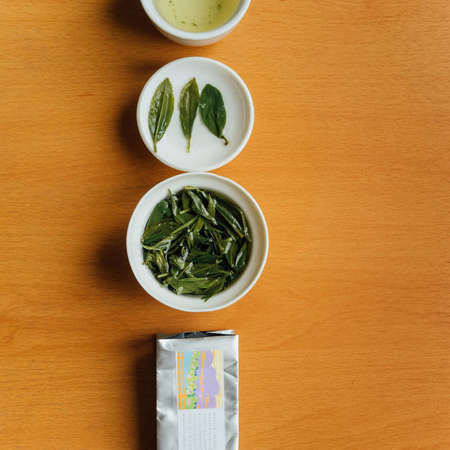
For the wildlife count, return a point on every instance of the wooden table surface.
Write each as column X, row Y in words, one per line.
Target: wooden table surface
column 345, row 340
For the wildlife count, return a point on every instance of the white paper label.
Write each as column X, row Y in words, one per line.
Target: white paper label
column 201, row 429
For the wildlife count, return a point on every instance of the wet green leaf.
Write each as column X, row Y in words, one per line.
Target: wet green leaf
column 212, row 110
column 216, row 286
column 199, row 246
column 185, row 216
column 161, row 110
column 189, row 285
column 173, row 205
column 211, row 206
column 230, row 252
column 158, row 232
column 185, row 200
column 232, row 221
column 199, row 207
column 241, row 258
column 245, row 226
column 189, row 101
column 161, row 262
column 161, row 211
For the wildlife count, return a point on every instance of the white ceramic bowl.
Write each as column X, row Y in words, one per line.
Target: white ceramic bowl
column 208, row 152
column 258, row 254
column 189, row 38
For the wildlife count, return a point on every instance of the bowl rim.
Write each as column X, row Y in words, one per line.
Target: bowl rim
column 154, row 15
column 265, row 239
column 248, row 99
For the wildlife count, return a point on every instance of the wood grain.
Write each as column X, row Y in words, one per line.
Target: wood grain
column 345, row 340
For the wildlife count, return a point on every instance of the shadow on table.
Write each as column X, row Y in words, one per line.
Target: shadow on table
column 111, row 260
column 132, row 143
column 112, row 263
column 129, row 133
column 130, row 15
column 145, row 393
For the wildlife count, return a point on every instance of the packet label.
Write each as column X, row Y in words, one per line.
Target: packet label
column 200, row 400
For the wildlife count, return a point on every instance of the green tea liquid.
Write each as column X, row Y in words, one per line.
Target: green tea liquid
column 196, row 15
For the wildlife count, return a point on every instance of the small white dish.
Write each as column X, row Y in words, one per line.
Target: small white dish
column 189, row 38
column 208, row 152
column 258, row 253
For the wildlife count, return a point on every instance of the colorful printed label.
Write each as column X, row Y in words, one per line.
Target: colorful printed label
column 200, row 379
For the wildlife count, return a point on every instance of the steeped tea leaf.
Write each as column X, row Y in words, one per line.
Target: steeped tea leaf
column 189, row 101
column 161, row 110
column 196, row 242
column 212, row 110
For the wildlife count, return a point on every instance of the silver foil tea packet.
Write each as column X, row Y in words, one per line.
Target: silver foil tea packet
column 197, row 391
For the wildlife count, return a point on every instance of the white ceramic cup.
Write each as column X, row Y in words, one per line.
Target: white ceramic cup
column 258, row 253
column 191, row 38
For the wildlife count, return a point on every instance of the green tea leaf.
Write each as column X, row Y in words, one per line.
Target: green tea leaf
column 209, row 270
column 241, row 258
column 189, row 101
column 168, row 239
column 174, row 207
column 185, row 216
column 228, row 216
column 161, row 110
column 161, row 211
column 187, row 270
column 202, row 257
column 230, row 250
column 199, row 207
column 161, row 262
column 176, row 244
column 189, row 285
column 177, row 261
column 212, row 110
column 211, row 206
column 216, row 236
column 245, row 226
column 185, row 200
column 158, row 231
column 196, row 242
column 216, row 286
column 149, row 260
